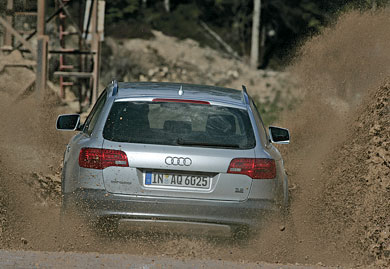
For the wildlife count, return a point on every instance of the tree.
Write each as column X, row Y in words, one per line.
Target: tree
column 167, row 5
column 255, row 34
column 243, row 25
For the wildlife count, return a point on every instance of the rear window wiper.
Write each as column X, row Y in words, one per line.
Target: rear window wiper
column 206, row 144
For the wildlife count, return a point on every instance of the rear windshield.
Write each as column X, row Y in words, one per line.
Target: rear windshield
column 184, row 124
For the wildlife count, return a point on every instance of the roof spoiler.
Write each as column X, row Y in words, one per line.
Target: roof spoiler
column 245, row 97
column 115, row 87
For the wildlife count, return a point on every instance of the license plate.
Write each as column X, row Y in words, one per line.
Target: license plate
column 176, row 180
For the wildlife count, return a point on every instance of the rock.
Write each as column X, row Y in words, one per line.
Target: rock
column 142, row 78
column 165, row 69
column 151, row 72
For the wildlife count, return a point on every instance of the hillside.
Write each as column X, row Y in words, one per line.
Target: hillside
column 165, row 58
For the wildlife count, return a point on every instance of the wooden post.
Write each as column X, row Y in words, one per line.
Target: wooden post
column 41, row 29
column 95, row 48
column 8, row 34
column 42, row 43
column 81, row 85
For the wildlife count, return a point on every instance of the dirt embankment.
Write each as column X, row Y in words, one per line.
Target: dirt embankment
column 357, row 194
column 338, row 164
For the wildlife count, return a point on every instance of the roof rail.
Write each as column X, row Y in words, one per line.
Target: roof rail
column 245, row 96
column 115, row 87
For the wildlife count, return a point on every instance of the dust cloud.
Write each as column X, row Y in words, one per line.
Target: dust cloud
column 335, row 70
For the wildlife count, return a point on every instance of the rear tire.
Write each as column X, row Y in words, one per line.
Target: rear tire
column 64, row 211
column 285, row 199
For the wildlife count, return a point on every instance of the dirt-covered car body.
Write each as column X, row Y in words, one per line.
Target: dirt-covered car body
column 170, row 153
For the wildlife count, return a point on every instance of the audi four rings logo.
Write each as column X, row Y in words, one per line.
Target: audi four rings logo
column 180, row 161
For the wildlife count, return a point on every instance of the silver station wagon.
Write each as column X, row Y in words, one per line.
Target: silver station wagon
column 174, row 156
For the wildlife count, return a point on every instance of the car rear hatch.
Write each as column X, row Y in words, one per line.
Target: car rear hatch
column 180, row 150
column 168, row 171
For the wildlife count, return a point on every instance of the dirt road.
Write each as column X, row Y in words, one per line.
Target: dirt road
column 338, row 166
column 38, row 259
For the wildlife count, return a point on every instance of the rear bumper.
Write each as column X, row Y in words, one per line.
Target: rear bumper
column 98, row 203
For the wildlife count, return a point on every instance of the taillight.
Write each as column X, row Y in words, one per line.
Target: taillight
column 254, row 168
column 102, row 158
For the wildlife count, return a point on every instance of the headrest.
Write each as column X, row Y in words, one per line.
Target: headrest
column 220, row 124
column 174, row 126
